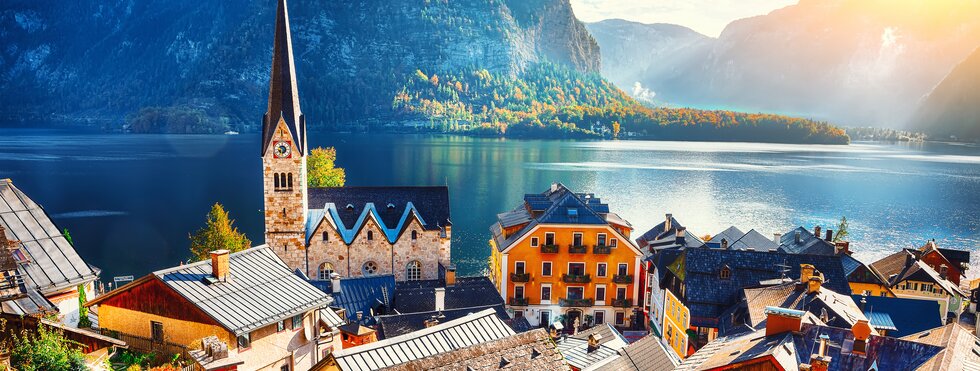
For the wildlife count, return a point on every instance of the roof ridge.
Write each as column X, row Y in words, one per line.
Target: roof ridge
column 416, row 334
column 208, row 261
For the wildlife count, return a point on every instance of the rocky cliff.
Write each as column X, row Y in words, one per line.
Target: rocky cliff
column 953, row 107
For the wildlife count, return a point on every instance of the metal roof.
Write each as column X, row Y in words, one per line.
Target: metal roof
column 576, row 352
column 331, row 318
column 53, row 265
column 474, row 329
column 361, row 294
column 907, row 315
column 650, row 353
column 261, row 290
column 881, row 321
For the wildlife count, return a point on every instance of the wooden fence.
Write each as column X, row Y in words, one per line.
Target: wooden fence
column 164, row 351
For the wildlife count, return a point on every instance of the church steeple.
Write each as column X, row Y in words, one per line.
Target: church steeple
column 283, row 94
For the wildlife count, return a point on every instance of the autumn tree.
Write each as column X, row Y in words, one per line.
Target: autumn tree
column 615, row 129
column 321, row 169
column 218, row 233
column 45, row 350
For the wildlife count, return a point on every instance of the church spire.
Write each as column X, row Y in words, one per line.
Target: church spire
column 283, row 94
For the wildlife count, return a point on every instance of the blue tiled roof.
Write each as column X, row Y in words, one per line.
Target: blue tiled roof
column 881, row 321
column 850, row 264
column 390, row 207
column 361, row 294
column 468, row 292
column 707, row 295
column 909, row 316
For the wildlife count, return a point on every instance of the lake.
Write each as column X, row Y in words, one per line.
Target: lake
column 130, row 201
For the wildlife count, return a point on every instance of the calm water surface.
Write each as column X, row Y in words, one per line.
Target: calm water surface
column 131, row 200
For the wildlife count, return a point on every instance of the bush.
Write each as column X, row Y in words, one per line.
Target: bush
column 46, row 350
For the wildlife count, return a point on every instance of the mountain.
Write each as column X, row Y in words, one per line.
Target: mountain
column 107, row 59
column 858, row 62
column 639, row 57
column 953, row 107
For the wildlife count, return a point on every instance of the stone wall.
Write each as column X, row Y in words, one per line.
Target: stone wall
column 333, row 251
column 285, row 208
column 427, row 249
column 363, row 250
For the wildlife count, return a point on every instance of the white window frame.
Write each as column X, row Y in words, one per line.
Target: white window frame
column 604, row 236
column 625, row 292
column 554, row 241
column 613, row 242
column 585, row 267
column 551, row 271
column 574, row 287
column 523, row 263
column 581, row 238
column 550, row 318
column 597, row 269
column 605, row 294
column 620, row 265
column 535, row 242
column 595, row 316
column 551, row 293
column 616, row 318
column 523, row 292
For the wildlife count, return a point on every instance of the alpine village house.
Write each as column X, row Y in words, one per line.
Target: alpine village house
column 563, row 254
column 352, row 231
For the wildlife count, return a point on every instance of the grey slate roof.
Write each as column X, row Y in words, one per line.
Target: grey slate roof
column 707, row 296
column 751, row 240
column 432, row 203
column 808, row 244
column 961, row 349
column 261, row 290
column 840, row 309
column 54, row 264
column 530, row 351
column 908, row 315
column 647, row 354
column 610, row 336
column 471, row 330
column 660, row 237
column 468, row 292
column 361, row 294
column 400, row 324
column 283, row 93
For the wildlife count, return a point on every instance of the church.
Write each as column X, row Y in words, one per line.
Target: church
column 351, row 231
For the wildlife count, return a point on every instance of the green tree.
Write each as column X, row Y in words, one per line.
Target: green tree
column 841, row 234
column 68, row 236
column 45, row 350
column 83, row 320
column 321, row 169
column 218, row 233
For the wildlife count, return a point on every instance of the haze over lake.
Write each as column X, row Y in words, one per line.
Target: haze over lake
column 130, row 201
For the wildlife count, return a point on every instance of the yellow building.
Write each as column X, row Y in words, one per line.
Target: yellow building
column 677, row 319
column 249, row 302
column 564, row 255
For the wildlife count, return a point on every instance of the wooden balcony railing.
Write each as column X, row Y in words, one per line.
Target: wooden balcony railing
column 520, row 302
column 520, row 277
column 601, row 249
column 623, row 278
column 622, row 303
column 576, row 278
column 577, row 249
column 575, row 302
column 549, row 249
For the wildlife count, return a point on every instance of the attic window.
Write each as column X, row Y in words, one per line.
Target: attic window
column 725, row 273
column 572, row 213
column 350, row 207
column 391, row 205
column 19, row 256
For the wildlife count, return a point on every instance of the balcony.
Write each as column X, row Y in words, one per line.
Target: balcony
column 520, row 277
column 549, row 249
column 575, row 302
column 577, row 249
column 576, row 278
column 622, row 303
column 623, row 278
column 601, row 249
column 519, row 302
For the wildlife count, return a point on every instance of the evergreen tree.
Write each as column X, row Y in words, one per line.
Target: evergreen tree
column 218, row 233
column 841, row 234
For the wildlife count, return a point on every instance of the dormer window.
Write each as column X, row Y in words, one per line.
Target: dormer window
column 350, row 207
column 391, row 206
column 725, row 273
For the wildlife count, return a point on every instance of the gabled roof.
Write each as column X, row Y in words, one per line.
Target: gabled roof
column 471, row 330
column 808, row 243
column 920, row 271
column 610, row 336
column 907, row 315
column 392, row 208
column 53, row 264
column 576, row 352
column 840, row 309
column 751, row 240
column 660, row 237
column 392, row 325
column 647, row 354
column 468, row 292
column 707, row 296
column 532, row 350
column 261, row 290
column 961, row 349
column 362, row 294
column 283, row 94
column 957, row 257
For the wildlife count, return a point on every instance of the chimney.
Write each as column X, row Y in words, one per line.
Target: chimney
column 806, row 271
column 782, row 320
column 843, row 247
column 440, row 298
column 554, row 187
column 813, row 284
column 667, row 225
column 451, row 275
column 777, row 237
column 821, row 361
column 680, row 236
column 335, row 283
column 360, row 316
column 830, row 235
column 816, row 231
column 219, row 265
column 798, row 237
column 431, row 322
column 593, row 342
column 861, row 331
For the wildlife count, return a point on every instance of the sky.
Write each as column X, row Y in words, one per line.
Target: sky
column 708, row 17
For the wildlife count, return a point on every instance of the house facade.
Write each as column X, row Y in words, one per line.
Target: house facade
column 405, row 231
column 913, row 278
column 248, row 303
column 564, row 255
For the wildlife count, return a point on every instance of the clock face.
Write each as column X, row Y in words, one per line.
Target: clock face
column 282, row 149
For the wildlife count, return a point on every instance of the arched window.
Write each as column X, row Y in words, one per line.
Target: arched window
column 284, row 212
column 414, row 271
column 277, row 180
column 369, row 268
column 290, row 182
column 323, row 273
column 725, row 273
column 415, row 235
column 326, row 236
column 370, row 235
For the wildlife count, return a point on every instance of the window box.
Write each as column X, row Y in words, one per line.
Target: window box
column 520, row 277
column 549, row 249
column 575, row 302
column 601, row 249
column 520, row 302
column 577, row 249
column 575, row 278
column 622, row 303
column 623, row 278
